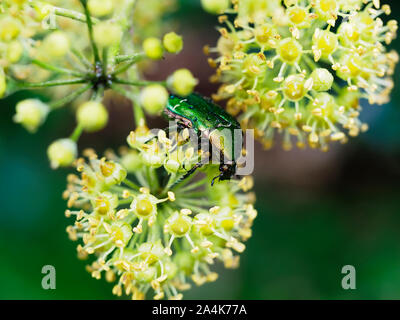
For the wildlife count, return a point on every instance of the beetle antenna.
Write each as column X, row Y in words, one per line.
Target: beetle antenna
column 213, row 180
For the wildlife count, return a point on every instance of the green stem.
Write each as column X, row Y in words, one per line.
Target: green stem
column 133, row 241
column 105, row 61
column 82, row 59
column 90, row 29
column 46, row 84
column 144, row 233
column 156, row 232
column 133, row 59
column 120, row 190
column 192, row 186
column 98, row 95
column 198, row 194
column 139, row 83
column 171, row 181
column 124, row 201
column 140, row 118
column 154, row 183
column 336, row 87
column 69, row 98
column 195, row 202
column 77, row 133
column 124, row 68
column 190, row 206
column 49, row 67
column 131, row 184
column 66, row 13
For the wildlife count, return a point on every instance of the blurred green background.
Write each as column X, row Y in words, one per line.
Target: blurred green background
column 317, row 211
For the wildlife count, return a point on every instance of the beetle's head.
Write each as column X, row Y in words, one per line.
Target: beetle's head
column 227, row 171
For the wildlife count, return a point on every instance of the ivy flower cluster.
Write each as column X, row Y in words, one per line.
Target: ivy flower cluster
column 300, row 67
column 151, row 232
column 80, row 49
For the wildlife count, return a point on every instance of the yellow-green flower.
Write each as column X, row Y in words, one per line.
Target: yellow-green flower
column 148, row 230
column 92, row 116
column 62, row 153
column 31, row 113
column 300, row 68
column 173, row 43
column 182, row 82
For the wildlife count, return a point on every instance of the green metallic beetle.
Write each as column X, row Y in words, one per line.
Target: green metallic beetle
column 211, row 121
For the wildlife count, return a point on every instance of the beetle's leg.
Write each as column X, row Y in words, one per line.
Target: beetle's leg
column 213, row 180
column 191, row 171
column 180, row 126
column 187, row 174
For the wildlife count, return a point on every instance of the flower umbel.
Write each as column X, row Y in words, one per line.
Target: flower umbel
column 76, row 50
column 150, row 230
column 300, row 67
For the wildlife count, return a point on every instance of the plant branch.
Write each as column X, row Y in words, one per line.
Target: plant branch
column 71, row 97
column 77, row 133
column 66, row 13
column 82, row 59
column 49, row 67
column 138, row 83
column 90, row 29
column 140, row 118
column 131, row 59
column 46, row 84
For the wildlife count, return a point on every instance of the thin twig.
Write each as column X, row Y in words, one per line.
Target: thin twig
column 49, row 67
column 26, row 85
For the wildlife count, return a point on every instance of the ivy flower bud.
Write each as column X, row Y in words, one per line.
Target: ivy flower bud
column 31, row 113
column 101, row 8
column 3, row 83
column 153, row 48
column 10, row 28
column 56, row 44
column 62, row 153
column 92, row 116
column 107, row 34
column 173, row 43
column 294, row 87
column 154, row 98
column 182, row 82
column 325, row 43
column 131, row 161
column 14, row 51
column 322, row 79
column 215, row 6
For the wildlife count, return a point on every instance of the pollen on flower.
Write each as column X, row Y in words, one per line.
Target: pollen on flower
column 276, row 58
column 149, row 231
